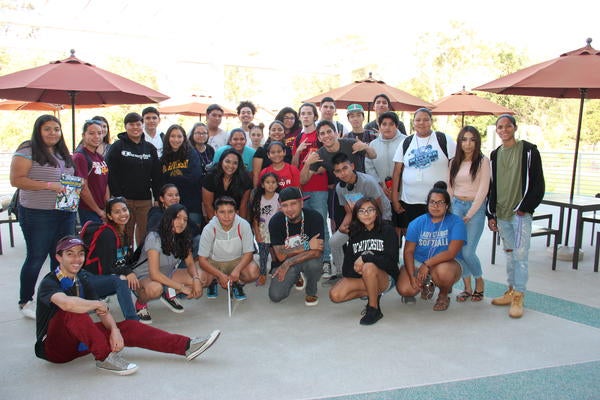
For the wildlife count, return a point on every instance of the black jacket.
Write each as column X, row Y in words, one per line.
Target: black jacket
column 532, row 181
column 133, row 169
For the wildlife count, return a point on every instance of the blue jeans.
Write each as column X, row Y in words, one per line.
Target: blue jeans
column 107, row 285
column 41, row 229
column 318, row 202
column 87, row 215
column 516, row 236
column 312, row 269
column 472, row 265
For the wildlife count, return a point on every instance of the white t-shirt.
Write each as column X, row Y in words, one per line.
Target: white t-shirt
column 424, row 164
column 157, row 141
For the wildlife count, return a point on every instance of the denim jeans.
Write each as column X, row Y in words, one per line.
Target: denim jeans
column 312, row 269
column 472, row 265
column 318, row 202
column 516, row 236
column 107, row 285
column 87, row 215
column 41, row 229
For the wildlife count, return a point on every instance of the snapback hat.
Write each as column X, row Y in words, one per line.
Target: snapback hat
column 290, row 193
column 355, row 108
column 69, row 242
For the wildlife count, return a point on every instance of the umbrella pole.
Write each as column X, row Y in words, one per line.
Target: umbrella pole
column 72, row 94
column 573, row 177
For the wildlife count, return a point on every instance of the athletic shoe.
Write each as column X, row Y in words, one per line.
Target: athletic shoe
column 28, row 309
column 326, row 270
column 311, row 300
column 301, row 282
column 408, row 299
column 117, row 365
column 199, row 345
column 172, row 303
column 238, row 291
column 370, row 315
column 505, row 299
column 143, row 313
column 212, row 291
column 331, row 281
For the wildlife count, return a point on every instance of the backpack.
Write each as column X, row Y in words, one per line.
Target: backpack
column 90, row 232
column 441, row 138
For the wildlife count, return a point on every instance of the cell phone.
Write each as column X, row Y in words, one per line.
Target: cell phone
column 171, row 292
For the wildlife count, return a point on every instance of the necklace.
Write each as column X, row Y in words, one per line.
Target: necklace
column 435, row 239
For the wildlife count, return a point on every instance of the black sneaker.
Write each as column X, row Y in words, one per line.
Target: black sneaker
column 144, row 316
column 212, row 291
column 331, row 281
column 371, row 315
column 172, row 302
column 237, row 291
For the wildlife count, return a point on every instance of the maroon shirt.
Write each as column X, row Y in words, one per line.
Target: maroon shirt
column 96, row 177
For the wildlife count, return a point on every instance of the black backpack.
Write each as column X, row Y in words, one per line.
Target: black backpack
column 441, row 138
column 87, row 158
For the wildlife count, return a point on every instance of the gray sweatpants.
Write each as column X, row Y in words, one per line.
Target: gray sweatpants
column 312, row 270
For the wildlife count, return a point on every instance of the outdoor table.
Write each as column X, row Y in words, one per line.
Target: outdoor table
column 580, row 204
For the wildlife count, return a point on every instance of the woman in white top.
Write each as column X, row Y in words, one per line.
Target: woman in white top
column 469, row 180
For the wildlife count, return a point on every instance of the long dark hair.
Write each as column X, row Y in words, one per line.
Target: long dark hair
column 182, row 153
column 297, row 127
column 257, row 194
column 460, row 154
column 163, row 190
column 356, row 226
column 39, row 151
column 108, row 210
column 240, row 178
column 106, row 138
column 177, row 244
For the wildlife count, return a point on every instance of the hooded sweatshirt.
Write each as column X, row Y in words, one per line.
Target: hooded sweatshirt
column 383, row 165
column 379, row 247
column 133, row 169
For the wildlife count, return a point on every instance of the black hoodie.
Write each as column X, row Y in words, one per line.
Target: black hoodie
column 379, row 247
column 133, row 169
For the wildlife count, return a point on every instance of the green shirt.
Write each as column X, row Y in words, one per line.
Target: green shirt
column 508, row 176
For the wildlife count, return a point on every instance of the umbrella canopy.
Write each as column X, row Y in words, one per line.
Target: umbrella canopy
column 574, row 74
column 193, row 109
column 13, row 105
column 467, row 103
column 363, row 92
column 75, row 82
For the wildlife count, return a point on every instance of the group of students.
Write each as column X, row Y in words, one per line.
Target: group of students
column 216, row 196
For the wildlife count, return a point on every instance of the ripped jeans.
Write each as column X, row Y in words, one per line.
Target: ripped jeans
column 516, row 236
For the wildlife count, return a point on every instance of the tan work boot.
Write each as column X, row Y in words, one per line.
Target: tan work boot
column 516, row 306
column 505, row 299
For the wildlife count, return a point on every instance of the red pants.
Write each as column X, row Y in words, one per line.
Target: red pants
column 66, row 330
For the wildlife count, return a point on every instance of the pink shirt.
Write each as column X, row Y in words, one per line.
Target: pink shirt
column 475, row 190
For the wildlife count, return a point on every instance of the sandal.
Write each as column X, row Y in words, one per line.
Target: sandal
column 477, row 296
column 442, row 304
column 464, row 296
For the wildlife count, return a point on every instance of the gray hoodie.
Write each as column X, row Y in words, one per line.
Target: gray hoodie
column 383, row 165
column 239, row 232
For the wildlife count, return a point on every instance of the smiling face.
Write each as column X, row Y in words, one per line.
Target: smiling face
column 245, row 115
column 269, row 184
column 276, row 132
column 71, row 260
column 327, row 136
column 288, row 120
column 200, row 135
column 230, row 164
column 176, row 139
column 51, row 133
column 238, row 141
column 170, row 197
column 506, row 131
column 180, row 222
column 134, row 131
column 92, row 137
column 422, row 123
column 119, row 214
column 276, row 154
column 367, row 214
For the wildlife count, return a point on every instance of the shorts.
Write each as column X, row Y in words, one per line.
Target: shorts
column 418, row 265
column 411, row 212
column 225, row 267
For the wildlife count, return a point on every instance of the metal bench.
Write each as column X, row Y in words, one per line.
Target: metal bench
column 536, row 230
column 10, row 220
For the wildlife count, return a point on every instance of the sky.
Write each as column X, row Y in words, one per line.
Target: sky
column 184, row 39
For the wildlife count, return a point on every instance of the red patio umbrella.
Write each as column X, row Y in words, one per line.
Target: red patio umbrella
column 575, row 74
column 75, row 82
column 363, row 92
column 13, row 105
column 467, row 103
column 193, row 108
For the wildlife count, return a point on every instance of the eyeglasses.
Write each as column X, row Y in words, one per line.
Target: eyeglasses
column 366, row 211
column 436, row 203
column 289, row 118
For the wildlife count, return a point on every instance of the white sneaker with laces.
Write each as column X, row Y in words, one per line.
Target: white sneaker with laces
column 28, row 309
column 200, row 345
column 116, row 364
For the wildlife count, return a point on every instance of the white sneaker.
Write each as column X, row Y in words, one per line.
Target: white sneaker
column 117, row 365
column 326, row 270
column 28, row 309
column 200, row 345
